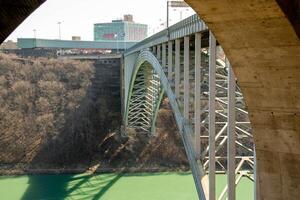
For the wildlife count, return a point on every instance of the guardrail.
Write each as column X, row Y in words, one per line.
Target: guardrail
column 188, row 26
column 91, row 57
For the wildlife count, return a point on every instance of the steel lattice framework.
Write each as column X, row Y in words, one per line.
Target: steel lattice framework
column 146, row 94
column 195, row 75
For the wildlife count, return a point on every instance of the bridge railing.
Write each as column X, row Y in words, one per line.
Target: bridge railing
column 188, row 26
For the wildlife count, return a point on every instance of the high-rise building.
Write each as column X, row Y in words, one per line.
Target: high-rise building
column 125, row 30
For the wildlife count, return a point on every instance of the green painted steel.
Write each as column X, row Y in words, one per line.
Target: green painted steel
column 156, row 96
column 136, row 186
column 140, row 65
column 146, row 57
column 157, row 106
column 131, row 83
column 25, row 43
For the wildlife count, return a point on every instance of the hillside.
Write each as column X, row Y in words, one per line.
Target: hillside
column 51, row 116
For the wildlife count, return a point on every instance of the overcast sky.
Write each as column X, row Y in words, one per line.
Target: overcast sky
column 78, row 17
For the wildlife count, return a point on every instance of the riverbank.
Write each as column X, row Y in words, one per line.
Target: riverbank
column 19, row 169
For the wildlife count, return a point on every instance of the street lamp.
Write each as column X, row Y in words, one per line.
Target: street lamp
column 163, row 24
column 34, row 33
column 168, row 2
column 59, row 29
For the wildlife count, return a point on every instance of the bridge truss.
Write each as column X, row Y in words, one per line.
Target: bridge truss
column 187, row 64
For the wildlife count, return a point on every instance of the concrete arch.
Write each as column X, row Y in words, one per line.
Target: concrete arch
column 264, row 51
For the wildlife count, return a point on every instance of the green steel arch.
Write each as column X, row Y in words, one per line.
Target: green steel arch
column 144, row 95
column 147, row 65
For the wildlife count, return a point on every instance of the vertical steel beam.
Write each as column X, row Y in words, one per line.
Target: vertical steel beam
column 197, row 94
column 186, row 64
column 164, row 55
column 170, row 60
column 256, row 182
column 231, row 134
column 177, row 67
column 159, row 53
column 212, row 114
column 154, row 50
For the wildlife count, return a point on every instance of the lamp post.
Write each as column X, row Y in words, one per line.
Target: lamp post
column 59, row 29
column 168, row 2
column 34, row 33
column 178, row 4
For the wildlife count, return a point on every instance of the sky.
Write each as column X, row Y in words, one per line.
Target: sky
column 78, row 17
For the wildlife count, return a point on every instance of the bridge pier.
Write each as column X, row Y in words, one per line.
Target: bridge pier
column 158, row 52
column 170, row 61
column 154, row 50
column 177, row 68
column 212, row 116
column 231, row 133
column 197, row 105
column 186, row 82
column 164, row 56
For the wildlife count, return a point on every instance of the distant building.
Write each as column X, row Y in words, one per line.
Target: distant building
column 125, row 30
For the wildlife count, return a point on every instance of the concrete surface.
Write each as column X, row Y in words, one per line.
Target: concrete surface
column 264, row 51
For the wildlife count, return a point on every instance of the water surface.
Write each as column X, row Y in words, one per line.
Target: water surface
column 135, row 186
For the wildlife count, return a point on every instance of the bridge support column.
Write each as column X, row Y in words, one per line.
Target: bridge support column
column 170, row 60
column 154, row 50
column 256, row 182
column 197, row 94
column 177, row 68
column 186, row 60
column 164, row 56
column 212, row 114
column 231, row 134
column 159, row 53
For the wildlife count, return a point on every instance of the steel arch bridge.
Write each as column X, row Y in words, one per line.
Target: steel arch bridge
column 267, row 33
column 191, row 70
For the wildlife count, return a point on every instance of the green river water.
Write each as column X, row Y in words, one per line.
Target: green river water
column 135, row 186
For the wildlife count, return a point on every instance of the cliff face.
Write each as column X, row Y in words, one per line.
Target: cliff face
column 143, row 151
column 63, row 113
